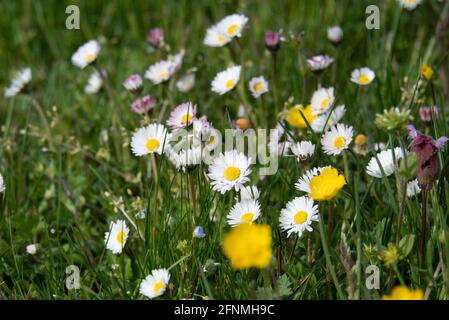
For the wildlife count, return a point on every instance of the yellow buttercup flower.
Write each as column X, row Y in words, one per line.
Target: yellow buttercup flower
column 248, row 245
column 389, row 255
column 404, row 293
column 295, row 119
column 426, row 72
column 326, row 185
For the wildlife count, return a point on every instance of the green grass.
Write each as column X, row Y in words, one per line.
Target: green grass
column 63, row 198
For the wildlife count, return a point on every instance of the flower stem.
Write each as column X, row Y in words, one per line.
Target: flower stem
column 422, row 243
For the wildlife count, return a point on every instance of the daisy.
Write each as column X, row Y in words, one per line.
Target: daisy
column 116, row 238
column 142, row 105
column 410, row 4
column 226, row 80
column 324, row 120
column 160, row 71
column 94, row 83
column 322, row 100
column 133, row 83
column 363, row 76
column 335, row 34
column 184, row 158
column 182, row 116
column 249, row 192
column 215, row 38
column 31, row 249
column 258, row 86
column 298, row 216
column 186, row 82
column 19, row 82
column 303, row 182
column 246, row 211
column 2, row 184
column 303, row 150
column 387, row 162
column 150, row 139
column 154, row 284
column 214, row 139
column 413, row 188
column 86, row 54
column 229, row 170
column 232, row 25
column 337, row 139
column 319, row 63
column 201, row 129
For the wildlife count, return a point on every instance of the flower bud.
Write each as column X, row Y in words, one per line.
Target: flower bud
column 272, row 40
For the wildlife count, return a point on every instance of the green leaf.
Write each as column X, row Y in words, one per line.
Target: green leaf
column 264, row 293
column 406, row 245
column 284, row 285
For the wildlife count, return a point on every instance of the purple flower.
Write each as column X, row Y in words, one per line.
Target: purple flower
column 133, row 83
column 155, row 37
column 426, row 149
column 425, row 113
column 142, row 105
column 272, row 40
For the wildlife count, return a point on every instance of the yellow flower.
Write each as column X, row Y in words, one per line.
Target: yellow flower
column 326, row 185
column 295, row 119
column 248, row 245
column 404, row 293
column 426, row 72
column 389, row 255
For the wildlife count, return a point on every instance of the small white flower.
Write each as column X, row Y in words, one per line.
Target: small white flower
column 322, row 100
column 202, row 129
column 133, row 83
column 413, row 188
column 319, row 63
column 226, row 80
column 335, row 34
column 214, row 139
column 215, row 38
column 31, row 249
column 186, row 82
column 249, row 192
column 21, row 79
column 303, row 150
column 410, row 4
column 363, row 76
column 324, row 119
column 229, row 170
column 387, row 162
column 150, row 139
column 116, row 237
column 246, row 211
column 258, row 86
column 160, row 71
column 298, row 216
column 94, row 83
column 232, row 25
column 337, row 139
column 2, row 184
column 154, row 284
column 86, row 54
column 182, row 116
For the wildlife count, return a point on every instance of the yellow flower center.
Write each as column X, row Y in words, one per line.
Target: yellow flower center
column 211, row 139
column 363, row 79
column 89, row 58
column 221, row 39
column 121, row 237
column 324, row 103
column 152, row 144
column 339, row 142
column 229, row 84
column 326, row 185
column 186, row 118
column 300, row 217
column 163, row 75
column 158, row 286
column 232, row 29
column 426, row 72
column 247, row 217
column 231, row 173
column 259, row 86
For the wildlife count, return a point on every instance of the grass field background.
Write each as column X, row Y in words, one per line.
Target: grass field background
column 63, row 188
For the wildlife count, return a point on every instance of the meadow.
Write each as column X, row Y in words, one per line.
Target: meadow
column 97, row 201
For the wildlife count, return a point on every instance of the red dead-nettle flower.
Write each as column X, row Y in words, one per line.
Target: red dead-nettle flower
column 272, row 40
column 426, row 149
column 155, row 37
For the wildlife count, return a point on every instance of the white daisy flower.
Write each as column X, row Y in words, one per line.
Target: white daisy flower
column 303, row 182
column 182, row 116
column 387, row 162
column 363, row 76
column 94, row 83
column 2, row 184
column 214, row 139
column 303, row 150
column 319, row 63
column 86, row 54
column 258, row 86
column 186, row 82
column 298, row 216
column 184, row 158
column 21, row 79
column 232, row 25
column 201, row 129
column 246, row 211
column 116, row 238
column 226, row 80
column 31, row 249
column 322, row 100
column 335, row 34
column 215, row 38
column 410, row 4
column 133, row 83
column 229, row 170
column 337, row 139
column 160, row 71
column 154, row 284
column 413, row 188
column 336, row 114
column 150, row 139
column 249, row 192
